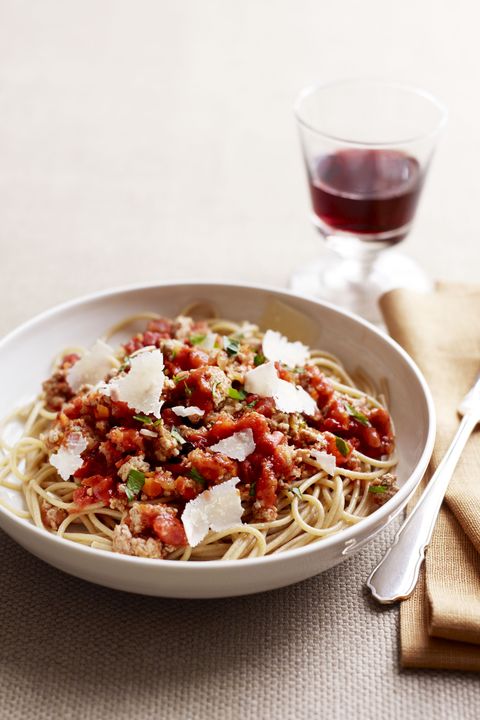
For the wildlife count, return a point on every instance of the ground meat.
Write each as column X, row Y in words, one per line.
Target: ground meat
column 165, row 446
column 214, row 467
column 387, row 481
column 52, row 516
column 56, row 388
column 124, row 542
column 182, row 327
column 134, row 463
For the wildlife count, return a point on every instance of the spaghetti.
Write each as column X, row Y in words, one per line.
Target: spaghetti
column 307, row 473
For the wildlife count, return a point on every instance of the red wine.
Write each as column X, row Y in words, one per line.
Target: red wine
column 366, row 191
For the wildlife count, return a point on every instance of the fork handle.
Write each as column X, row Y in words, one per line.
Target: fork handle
column 396, row 575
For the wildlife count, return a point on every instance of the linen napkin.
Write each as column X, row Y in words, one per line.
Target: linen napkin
column 440, row 623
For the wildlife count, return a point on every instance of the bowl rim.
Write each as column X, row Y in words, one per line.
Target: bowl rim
column 342, row 537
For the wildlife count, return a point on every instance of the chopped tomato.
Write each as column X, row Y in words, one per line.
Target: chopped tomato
column 170, row 530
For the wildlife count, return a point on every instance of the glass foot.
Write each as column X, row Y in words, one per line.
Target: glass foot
column 357, row 287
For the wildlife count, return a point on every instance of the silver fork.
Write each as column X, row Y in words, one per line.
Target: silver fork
column 396, row 575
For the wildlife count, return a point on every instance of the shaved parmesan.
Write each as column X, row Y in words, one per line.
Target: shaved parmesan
column 142, row 386
column 326, row 461
column 68, row 459
column 262, row 381
column 238, row 446
column 208, row 342
column 92, row 367
column 277, row 347
column 289, row 398
column 217, row 508
column 183, row 411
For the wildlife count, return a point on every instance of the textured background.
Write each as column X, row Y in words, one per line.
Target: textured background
column 153, row 140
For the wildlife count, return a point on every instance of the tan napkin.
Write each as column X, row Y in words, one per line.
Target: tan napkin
column 440, row 623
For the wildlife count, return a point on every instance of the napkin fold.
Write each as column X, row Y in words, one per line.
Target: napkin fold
column 440, row 623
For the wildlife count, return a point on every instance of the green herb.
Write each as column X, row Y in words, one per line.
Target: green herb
column 296, row 491
column 259, row 359
column 174, row 432
column 143, row 419
column 135, row 482
column 236, row 394
column 174, row 353
column 197, row 339
column 124, row 365
column 179, row 377
column 252, row 490
column 253, row 403
column 342, row 446
column 198, row 477
column 377, row 488
column 188, row 391
column 157, row 422
column 362, row 419
column 231, row 346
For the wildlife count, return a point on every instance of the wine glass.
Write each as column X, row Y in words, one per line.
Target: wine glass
column 367, row 146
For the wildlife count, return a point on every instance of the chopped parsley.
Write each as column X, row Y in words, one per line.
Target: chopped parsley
column 135, row 482
column 143, row 419
column 377, row 489
column 236, row 394
column 253, row 403
column 197, row 339
column 179, row 377
column 342, row 446
column 362, row 419
column 177, row 435
column 296, row 492
column 259, row 359
column 252, row 490
column 231, row 346
column 125, row 364
column 198, row 477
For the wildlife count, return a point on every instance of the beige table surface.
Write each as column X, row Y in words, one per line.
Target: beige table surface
column 144, row 141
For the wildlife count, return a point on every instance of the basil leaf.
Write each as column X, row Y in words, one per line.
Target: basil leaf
column 178, row 436
column 253, row 403
column 143, row 419
column 231, row 346
column 377, row 489
column 237, row 394
column 342, row 446
column 362, row 419
column 157, row 422
column 198, row 477
column 296, row 491
column 135, row 482
column 197, row 339
column 259, row 359
column 252, row 490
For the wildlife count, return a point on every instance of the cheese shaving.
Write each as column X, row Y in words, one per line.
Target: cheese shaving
column 289, row 398
column 189, row 411
column 217, row 509
column 68, row 459
column 326, row 461
column 208, row 342
column 277, row 347
column 142, row 386
column 92, row 367
column 237, row 446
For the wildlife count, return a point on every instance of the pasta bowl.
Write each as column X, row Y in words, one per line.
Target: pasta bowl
column 359, row 345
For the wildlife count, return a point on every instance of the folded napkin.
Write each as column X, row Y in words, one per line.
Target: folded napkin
column 440, row 623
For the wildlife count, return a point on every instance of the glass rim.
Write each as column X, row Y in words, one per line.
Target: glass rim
column 414, row 90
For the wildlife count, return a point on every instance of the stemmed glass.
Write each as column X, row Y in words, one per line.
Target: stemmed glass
column 367, row 146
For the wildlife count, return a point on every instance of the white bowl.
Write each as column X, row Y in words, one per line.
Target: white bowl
column 25, row 357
